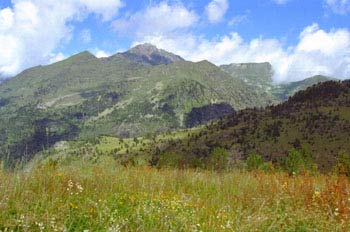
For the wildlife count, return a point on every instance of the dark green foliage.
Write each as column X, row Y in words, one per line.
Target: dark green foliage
column 202, row 115
column 300, row 160
column 169, row 160
column 254, row 162
column 343, row 164
column 294, row 162
column 315, row 122
column 218, row 159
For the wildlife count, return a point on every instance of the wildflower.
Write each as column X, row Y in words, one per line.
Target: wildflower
column 228, row 224
column 285, row 185
column 70, row 186
column 79, row 187
column 336, row 212
column 115, row 228
column 40, row 225
column 316, row 195
column 70, row 183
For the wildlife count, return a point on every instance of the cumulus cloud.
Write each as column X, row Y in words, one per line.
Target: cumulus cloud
column 281, row 2
column 338, row 6
column 317, row 52
column 239, row 19
column 102, row 54
column 57, row 57
column 216, row 10
column 31, row 30
column 156, row 19
column 85, row 36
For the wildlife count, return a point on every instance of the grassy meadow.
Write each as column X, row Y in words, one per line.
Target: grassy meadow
column 102, row 195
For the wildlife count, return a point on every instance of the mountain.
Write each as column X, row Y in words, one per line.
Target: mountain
column 201, row 115
column 259, row 76
column 142, row 92
column 283, row 91
column 318, row 118
column 148, row 54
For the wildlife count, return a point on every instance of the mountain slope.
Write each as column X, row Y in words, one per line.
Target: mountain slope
column 144, row 91
column 318, row 118
column 149, row 54
column 283, row 91
column 259, row 76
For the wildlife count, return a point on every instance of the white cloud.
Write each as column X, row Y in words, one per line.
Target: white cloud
column 158, row 19
column 57, row 57
column 338, row 6
column 101, row 54
column 216, row 10
column 317, row 52
column 313, row 39
column 31, row 30
column 85, row 36
column 238, row 19
column 281, row 2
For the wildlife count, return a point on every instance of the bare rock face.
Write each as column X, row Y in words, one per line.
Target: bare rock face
column 150, row 54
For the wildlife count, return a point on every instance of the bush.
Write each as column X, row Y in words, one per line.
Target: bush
column 254, row 162
column 300, row 160
column 167, row 159
column 307, row 156
column 294, row 162
column 343, row 164
column 218, row 159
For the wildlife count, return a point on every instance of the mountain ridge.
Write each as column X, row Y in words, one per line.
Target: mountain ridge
column 317, row 118
column 84, row 96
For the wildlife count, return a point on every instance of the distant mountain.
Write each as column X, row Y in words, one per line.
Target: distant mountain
column 318, row 118
column 259, row 76
column 148, row 54
column 144, row 91
column 283, row 91
column 141, row 92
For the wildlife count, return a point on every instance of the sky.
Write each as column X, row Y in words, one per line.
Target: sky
column 300, row 38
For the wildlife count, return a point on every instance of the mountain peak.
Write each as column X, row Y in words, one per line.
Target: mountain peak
column 145, row 48
column 151, row 55
column 82, row 57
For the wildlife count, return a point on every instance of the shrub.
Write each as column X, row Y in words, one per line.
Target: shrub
column 299, row 160
column 254, row 162
column 218, row 159
column 308, row 159
column 294, row 162
column 343, row 164
column 167, row 159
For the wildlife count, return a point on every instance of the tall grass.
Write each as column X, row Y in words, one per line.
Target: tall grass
column 103, row 196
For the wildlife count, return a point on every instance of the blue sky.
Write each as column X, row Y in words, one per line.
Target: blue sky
column 300, row 38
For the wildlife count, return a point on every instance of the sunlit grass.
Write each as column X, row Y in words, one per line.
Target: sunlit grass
column 103, row 196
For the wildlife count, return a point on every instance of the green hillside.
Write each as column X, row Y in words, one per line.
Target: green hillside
column 143, row 91
column 317, row 119
column 259, row 76
column 283, row 91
